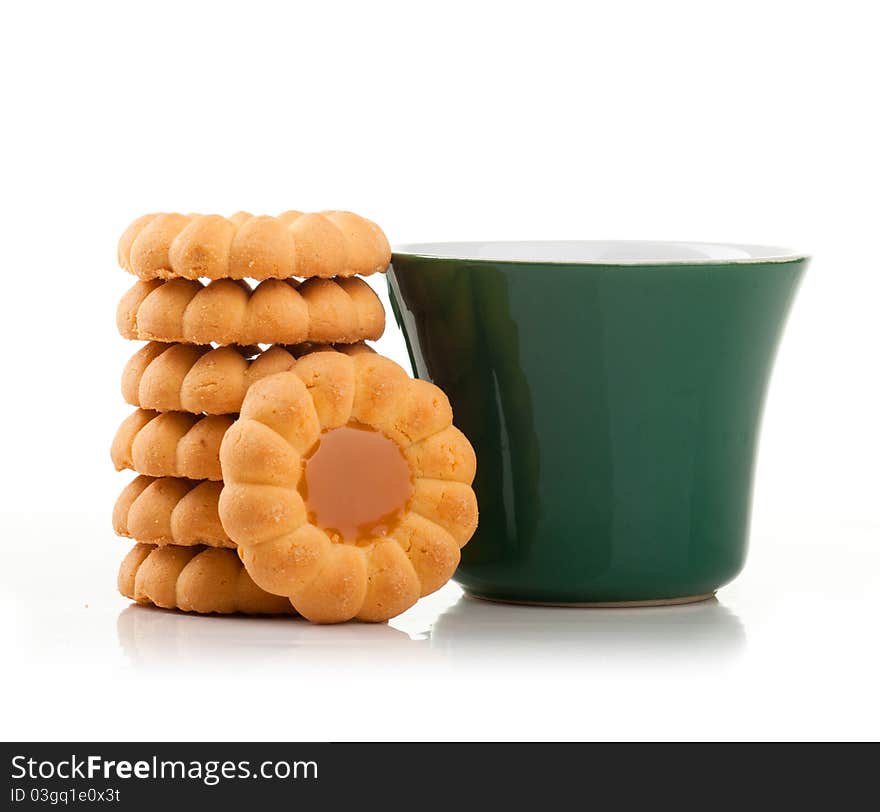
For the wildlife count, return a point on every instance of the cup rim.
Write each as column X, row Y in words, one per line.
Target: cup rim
column 643, row 252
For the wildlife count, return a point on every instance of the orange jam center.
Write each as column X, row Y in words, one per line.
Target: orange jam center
column 356, row 484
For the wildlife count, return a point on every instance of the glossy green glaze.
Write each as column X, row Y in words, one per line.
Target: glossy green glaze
column 614, row 410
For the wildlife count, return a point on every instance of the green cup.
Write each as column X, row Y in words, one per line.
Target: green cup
column 613, row 394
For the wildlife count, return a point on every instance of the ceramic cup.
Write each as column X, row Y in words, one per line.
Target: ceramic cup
column 613, row 393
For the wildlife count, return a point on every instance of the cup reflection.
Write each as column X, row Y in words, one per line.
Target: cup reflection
column 477, row 629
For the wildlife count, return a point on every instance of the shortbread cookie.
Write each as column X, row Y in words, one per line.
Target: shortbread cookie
column 166, row 510
column 323, row 311
column 194, row 579
column 347, row 488
column 198, row 379
column 193, row 246
column 172, row 444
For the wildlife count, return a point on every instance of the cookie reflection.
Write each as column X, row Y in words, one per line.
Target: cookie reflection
column 159, row 638
column 476, row 630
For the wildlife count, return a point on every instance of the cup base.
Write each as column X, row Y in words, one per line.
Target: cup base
column 600, row 604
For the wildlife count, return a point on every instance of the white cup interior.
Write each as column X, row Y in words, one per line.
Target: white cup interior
column 601, row 252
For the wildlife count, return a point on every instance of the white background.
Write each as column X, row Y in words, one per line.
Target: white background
column 750, row 121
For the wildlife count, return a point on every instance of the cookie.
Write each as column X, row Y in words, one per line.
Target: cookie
column 172, row 444
column 323, row 311
column 198, row 379
column 194, row 579
column 166, row 510
column 294, row 244
column 347, row 488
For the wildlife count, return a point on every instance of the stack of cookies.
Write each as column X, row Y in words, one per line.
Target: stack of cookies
column 283, row 467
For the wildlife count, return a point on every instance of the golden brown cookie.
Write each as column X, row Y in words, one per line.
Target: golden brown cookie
column 172, row 444
column 167, row 510
column 322, row 311
column 315, row 455
column 194, row 579
column 193, row 246
column 198, row 379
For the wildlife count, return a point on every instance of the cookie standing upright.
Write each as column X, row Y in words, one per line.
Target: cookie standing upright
column 347, row 488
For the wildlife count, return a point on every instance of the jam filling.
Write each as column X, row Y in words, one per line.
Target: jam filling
column 356, row 484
